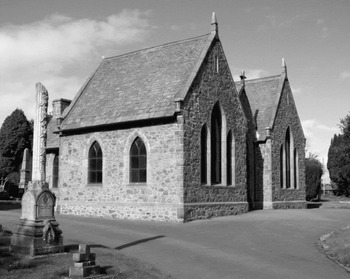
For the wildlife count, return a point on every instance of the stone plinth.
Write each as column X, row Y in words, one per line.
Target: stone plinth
column 84, row 263
column 28, row 239
column 37, row 232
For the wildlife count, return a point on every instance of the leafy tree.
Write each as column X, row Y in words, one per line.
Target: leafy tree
column 313, row 174
column 339, row 158
column 16, row 134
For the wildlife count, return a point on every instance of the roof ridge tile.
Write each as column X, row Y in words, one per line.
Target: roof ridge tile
column 157, row 47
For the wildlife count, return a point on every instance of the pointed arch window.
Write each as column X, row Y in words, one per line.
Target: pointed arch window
column 287, row 158
column 282, row 166
column 55, row 172
column 216, row 127
column 138, row 162
column 289, row 172
column 296, row 169
column 204, row 158
column 229, row 158
column 95, row 164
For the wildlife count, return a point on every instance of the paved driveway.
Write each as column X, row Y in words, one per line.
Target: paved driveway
column 260, row 244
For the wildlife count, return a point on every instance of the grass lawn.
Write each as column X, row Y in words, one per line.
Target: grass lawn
column 113, row 263
column 336, row 245
column 331, row 197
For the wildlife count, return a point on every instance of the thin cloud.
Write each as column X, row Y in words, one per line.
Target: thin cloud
column 175, row 27
column 313, row 124
column 297, row 91
column 325, row 32
column 345, row 75
column 318, row 138
column 320, row 22
column 274, row 22
column 60, row 52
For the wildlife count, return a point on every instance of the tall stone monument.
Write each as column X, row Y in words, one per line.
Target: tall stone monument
column 38, row 232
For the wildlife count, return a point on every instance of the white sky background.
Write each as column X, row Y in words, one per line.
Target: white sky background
column 60, row 43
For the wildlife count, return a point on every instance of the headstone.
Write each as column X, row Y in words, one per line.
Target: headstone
column 26, row 170
column 84, row 263
column 38, row 232
column 28, row 206
column 45, row 206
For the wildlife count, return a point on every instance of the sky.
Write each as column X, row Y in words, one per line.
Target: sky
column 61, row 42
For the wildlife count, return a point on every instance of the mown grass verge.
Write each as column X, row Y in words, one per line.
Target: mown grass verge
column 336, row 245
column 114, row 265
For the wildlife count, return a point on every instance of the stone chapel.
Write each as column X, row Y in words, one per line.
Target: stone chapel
column 166, row 134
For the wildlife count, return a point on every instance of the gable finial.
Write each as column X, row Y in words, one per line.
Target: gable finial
column 243, row 77
column 214, row 24
column 284, row 67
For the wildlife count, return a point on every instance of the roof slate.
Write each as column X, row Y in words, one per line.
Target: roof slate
column 138, row 85
column 263, row 95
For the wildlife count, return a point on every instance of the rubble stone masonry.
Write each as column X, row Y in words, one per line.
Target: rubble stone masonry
column 161, row 198
column 287, row 116
column 214, row 84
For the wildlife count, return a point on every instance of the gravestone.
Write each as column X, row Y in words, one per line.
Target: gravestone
column 26, row 170
column 38, row 232
column 84, row 263
column 45, row 206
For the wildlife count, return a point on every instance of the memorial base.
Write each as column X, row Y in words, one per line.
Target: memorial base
column 28, row 239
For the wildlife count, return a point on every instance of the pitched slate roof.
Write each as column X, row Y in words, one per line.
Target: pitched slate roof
column 263, row 95
column 139, row 85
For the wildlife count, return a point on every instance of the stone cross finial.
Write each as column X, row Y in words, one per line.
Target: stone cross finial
column 40, row 133
column 284, row 66
column 243, row 77
column 214, row 24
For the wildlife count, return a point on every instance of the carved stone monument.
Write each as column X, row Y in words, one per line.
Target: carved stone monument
column 38, row 232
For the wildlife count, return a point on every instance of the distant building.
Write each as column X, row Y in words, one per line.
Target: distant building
column 164, row 133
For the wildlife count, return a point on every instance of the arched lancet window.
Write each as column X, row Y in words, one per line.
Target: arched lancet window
column 95, row 164
column 287, row 158
column 216, row 127
column 289, row 172
column 204, row 134
column 138, row 161
column 55, row 172
column 296, row 169
column 229, row 158
column 281, row 165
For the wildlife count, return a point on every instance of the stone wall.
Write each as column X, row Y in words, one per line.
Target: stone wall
column 214, row 84
column 287, row 116
column 161, row 198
